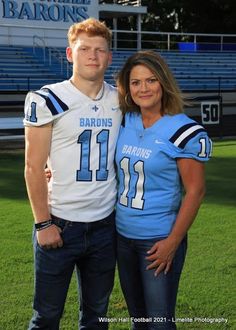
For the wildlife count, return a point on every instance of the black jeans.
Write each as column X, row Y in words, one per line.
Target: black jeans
column 91, row 249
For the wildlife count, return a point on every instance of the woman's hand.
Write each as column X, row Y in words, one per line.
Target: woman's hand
column 162, row 252
column 161, row 255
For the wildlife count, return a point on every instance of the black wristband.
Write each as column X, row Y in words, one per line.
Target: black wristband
column 44, row 224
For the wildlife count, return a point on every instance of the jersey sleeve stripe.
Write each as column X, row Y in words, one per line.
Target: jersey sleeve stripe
column 189, row 137
column 181, row 130
column 185, row 133
column 54, row 104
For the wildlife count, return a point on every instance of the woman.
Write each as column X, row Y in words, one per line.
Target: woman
column 159, row 150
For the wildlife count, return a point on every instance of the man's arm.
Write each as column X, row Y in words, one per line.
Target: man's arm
column 37, row 148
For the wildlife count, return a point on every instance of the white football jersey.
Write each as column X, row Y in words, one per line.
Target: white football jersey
column 83, row 185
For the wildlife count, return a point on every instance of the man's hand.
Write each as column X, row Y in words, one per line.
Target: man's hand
column 50, row 238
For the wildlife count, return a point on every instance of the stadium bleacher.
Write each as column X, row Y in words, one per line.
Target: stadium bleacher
column 22, row 69
column 27, row 68
column 202, row 71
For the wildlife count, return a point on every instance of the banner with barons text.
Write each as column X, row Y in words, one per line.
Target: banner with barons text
column 49, row 19
column 46, row 11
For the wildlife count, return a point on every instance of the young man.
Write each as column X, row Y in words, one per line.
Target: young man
column 72, row 126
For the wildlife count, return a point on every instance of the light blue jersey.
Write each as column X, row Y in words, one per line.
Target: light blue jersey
column 150, row 189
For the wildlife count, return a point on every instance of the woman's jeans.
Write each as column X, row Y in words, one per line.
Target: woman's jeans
column 150, row 299
column 91, row 249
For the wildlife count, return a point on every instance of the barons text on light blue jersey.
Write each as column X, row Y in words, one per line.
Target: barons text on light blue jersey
column 136, row 151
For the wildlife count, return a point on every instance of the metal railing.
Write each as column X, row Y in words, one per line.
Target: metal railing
column 42, row 45
column 53, row 54
column 173, row 41
column 130, row 39
column 57, row 54
column 134, row 40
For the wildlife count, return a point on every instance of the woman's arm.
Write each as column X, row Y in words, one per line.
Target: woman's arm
column 193, row 179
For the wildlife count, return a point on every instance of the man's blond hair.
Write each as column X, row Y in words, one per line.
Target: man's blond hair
column 92, row 27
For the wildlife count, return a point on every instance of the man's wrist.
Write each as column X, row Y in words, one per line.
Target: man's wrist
column 44, row 224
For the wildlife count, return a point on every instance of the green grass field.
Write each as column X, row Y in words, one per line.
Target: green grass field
column 207, row 291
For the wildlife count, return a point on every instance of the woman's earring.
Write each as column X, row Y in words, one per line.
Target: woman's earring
column 128, row 100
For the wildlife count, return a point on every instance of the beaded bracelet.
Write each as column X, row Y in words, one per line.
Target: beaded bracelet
column 44, row 224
